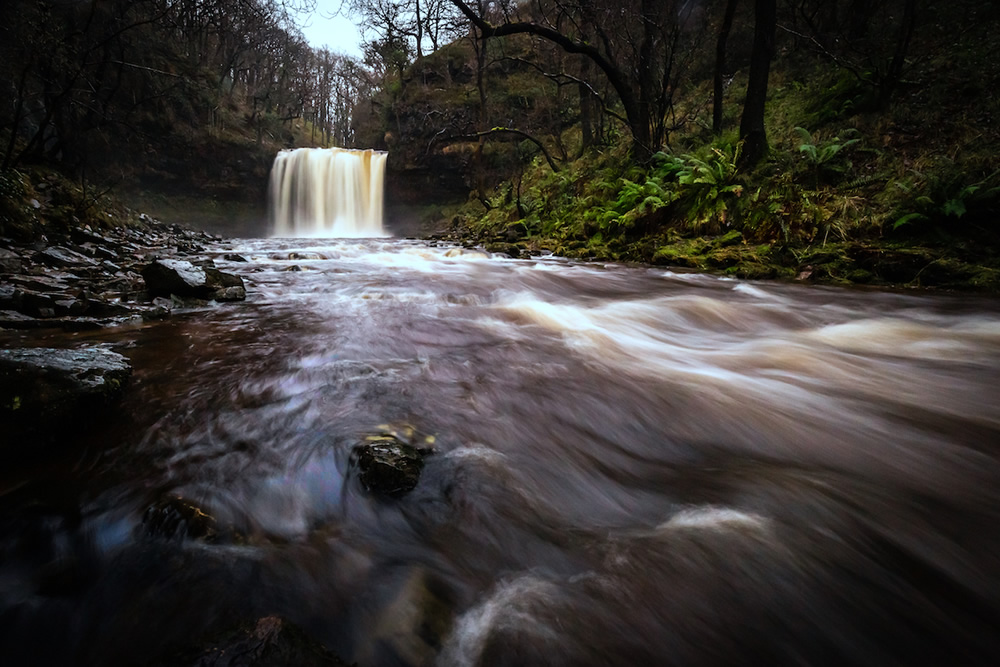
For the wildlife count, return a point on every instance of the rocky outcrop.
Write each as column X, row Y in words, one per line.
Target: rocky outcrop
column 166, row 277
column 86, row 279
column 46, row 392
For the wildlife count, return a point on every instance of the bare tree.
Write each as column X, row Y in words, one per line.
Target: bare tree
column 635, row 44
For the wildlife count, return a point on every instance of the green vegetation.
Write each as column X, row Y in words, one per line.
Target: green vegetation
column 856, row 187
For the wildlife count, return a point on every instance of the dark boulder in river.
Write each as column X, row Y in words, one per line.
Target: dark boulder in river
column 179, row 277
column 173, row 517
column 45, row 392
column 388, row 466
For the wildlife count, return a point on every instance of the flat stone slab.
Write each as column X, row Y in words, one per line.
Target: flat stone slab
column 47, row 392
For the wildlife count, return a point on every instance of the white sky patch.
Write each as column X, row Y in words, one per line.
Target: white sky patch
column 337, row 32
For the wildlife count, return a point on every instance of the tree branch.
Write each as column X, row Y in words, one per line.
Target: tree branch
column 504, row 130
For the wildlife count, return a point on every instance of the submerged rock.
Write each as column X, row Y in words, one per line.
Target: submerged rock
column 389, row 466
column 45, row 392
column 411, row 622
column 173, row 517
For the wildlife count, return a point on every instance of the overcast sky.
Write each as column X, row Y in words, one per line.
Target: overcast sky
column 337, row 33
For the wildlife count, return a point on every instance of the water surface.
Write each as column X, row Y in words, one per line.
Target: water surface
column 632, row 466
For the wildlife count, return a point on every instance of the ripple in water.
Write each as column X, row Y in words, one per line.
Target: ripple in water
column 632, row 467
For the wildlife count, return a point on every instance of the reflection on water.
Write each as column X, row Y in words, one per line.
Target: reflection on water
column 633, row 466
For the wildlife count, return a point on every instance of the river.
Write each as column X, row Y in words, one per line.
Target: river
column 631, row 466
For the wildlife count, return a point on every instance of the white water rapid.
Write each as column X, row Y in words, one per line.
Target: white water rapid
column 327, row 192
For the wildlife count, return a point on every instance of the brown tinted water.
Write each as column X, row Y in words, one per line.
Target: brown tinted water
column 632, row 466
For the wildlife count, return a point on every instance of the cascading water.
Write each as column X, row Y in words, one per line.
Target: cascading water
column 327, row 192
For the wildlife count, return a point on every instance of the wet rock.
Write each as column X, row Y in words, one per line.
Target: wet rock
column 70, row 306
column 233, row 257
column 99, row 306
column 37, row 304
column 174, row 276
column 304, row 255
column 500, row 248
column 389, row 466
column 45, row 392
column 227, row 286
column 173, row 517
column 10, row 297
column 293, row 267
column 10, row 261
column 60, row 257
column 267, row 642
column 160, row 309
column 10, row 319
column 83, row 235
column 105, row 254
column 166, row 277
column 43, row 283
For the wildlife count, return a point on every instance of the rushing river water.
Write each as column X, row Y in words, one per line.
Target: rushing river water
column 632, row 466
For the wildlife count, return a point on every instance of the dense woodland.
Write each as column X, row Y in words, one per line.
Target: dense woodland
column 837, row 140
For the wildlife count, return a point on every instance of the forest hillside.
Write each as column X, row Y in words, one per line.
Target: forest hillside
column 878, row 163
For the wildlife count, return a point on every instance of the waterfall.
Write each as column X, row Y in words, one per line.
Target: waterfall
column 327, row 192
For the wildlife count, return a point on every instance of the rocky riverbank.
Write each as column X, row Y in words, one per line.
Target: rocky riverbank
column 87, row 279
column 963, row 267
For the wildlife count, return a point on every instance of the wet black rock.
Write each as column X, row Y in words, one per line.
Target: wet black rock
column 166, row 277
column 388, row 466
column 11, row 298
column 10, row 262
column 174, row 276
column 173, row 517
column 227, row 286
column 233, row 257
column 64, row 258
column 500, row 248
column 46, row 392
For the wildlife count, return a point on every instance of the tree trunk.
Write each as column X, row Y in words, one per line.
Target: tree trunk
column 479, row 159
column 895, row 72
column 586, row 108
column 420, row 31
column 752, row 124
column 720, row 65
column 617, row 78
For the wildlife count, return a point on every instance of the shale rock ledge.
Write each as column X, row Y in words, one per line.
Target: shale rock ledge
column 46, row 392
